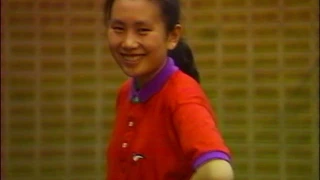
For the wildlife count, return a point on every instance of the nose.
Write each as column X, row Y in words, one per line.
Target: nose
column 130, row 42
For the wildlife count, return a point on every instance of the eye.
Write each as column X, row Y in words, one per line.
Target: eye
column 143, row 31
column 117, row 29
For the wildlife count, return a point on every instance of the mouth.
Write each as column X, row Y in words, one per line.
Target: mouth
column 131, row 59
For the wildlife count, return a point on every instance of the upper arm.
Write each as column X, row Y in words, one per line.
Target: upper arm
column 197, row 130
column 202, row 142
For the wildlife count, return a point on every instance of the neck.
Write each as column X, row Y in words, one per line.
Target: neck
column 141, row 81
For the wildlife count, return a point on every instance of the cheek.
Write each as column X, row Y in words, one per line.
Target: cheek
column 156, row 42
column 112, row 39
column 158, row 54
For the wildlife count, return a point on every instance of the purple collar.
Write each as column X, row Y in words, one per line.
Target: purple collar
column 153, row 86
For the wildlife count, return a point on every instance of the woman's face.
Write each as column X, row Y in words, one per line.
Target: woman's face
column 137, row 37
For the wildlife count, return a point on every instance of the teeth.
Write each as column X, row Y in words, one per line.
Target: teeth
column 131, row 58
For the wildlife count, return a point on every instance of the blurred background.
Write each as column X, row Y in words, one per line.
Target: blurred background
column 259, row 63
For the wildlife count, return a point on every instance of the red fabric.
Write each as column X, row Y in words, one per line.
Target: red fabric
column 170, row 130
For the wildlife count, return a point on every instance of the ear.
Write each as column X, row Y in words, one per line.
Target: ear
column 174, row 37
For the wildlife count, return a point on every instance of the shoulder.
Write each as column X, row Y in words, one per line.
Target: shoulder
column 183, row 89
column 124, row 87
column 123, row 91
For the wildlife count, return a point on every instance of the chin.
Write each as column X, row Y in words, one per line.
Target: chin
column 131, row 72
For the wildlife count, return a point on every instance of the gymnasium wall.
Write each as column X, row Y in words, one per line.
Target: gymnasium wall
column 259, row 64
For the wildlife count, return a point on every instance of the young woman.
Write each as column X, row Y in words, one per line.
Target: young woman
column 165, row 128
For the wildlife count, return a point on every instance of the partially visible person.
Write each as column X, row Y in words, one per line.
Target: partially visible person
column 165, row 128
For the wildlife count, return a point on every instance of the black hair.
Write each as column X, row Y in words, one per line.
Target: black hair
column 182, row 53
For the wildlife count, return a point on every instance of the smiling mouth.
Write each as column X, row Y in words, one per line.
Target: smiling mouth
column 131, row 58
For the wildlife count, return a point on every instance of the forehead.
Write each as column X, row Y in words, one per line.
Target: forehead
column 136, row 11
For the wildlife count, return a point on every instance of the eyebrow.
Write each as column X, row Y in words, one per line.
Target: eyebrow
column 116, row 21
column 137, row 23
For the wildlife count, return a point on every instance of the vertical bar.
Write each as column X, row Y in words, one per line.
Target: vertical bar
column 188, row 14
column 5, row 110
column 37, row 93
column 99, row 158
column 281, row 90
column 250, row 101
column 314, row 44
column 68, row 89
column 219, row 59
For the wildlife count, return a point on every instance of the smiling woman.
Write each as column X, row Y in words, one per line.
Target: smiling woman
column 162, row 113
column 138, row 39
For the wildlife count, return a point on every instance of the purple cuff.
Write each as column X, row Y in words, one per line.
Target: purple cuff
column 210, row 156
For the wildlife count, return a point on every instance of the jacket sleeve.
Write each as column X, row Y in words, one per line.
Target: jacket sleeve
column 197, row 130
